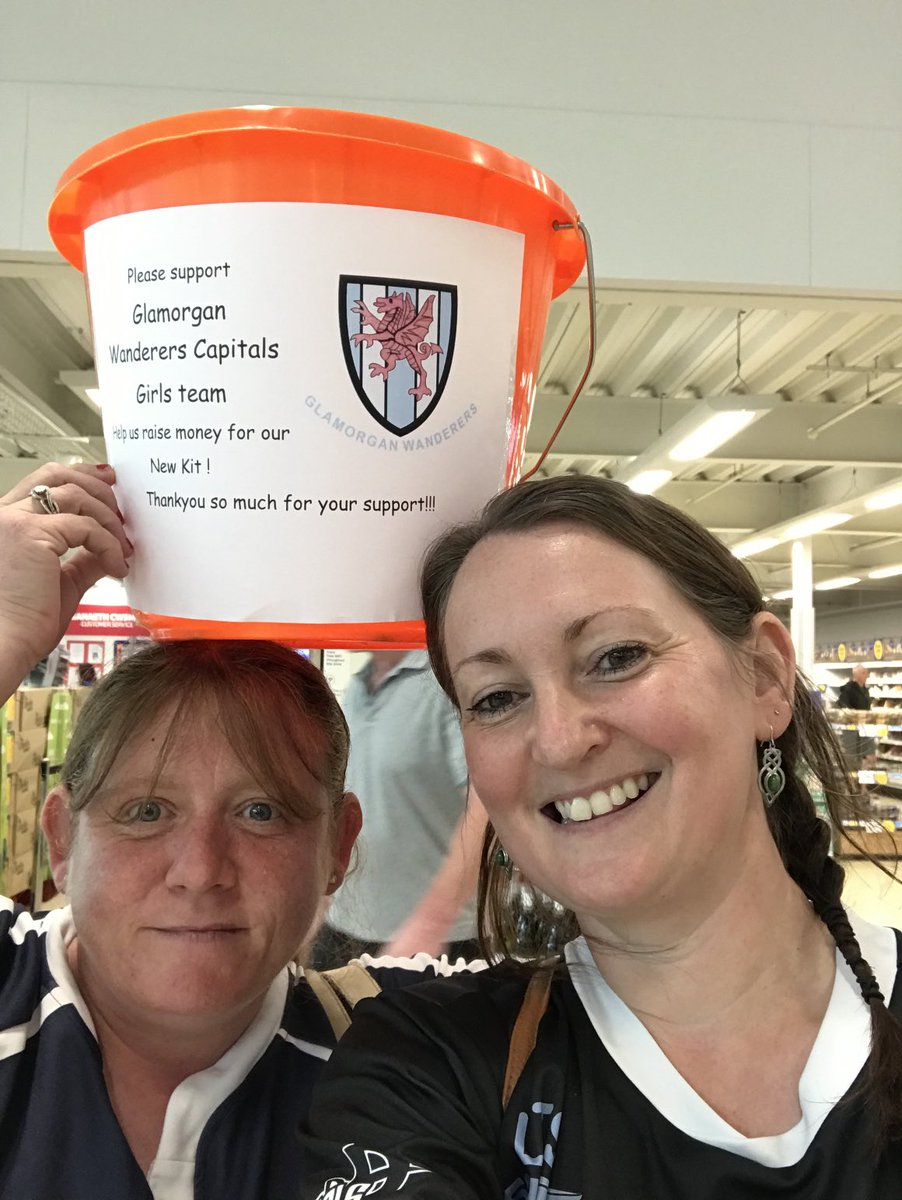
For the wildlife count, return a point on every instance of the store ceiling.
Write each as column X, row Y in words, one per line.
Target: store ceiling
column 835, row 364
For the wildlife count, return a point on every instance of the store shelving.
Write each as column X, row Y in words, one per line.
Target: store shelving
column 882, row 722
column 880, row 836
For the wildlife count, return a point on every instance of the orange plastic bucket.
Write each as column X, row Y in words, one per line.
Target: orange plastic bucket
column 317, row 335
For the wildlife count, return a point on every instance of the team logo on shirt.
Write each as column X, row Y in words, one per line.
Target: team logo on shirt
column 534, row 1143
column 371, row 1173
column 398, row 341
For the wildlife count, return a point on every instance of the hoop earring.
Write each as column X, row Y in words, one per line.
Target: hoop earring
column 771, row 777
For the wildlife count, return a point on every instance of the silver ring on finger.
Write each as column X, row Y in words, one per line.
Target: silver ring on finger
column 42, row 495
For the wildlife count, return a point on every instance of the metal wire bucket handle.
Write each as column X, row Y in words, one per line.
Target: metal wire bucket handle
column 590, row 268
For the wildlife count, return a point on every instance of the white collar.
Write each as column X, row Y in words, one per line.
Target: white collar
column 171, row 1174
column 837, row 1056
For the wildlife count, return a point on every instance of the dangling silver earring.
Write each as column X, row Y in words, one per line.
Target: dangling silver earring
column 771, row 777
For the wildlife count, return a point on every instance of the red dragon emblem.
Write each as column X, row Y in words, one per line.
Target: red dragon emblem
column 398, row 329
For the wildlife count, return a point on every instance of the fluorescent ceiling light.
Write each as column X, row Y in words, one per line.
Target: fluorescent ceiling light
column 884, row 500
column 648, row 482
column 752, row 546
column 713, row 432
column 839, row 582
column 706, row 425
column 885, row 572
column 784, row 595
column 815, row 524
column 93, row 394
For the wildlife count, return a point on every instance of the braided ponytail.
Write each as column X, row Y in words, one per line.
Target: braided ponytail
column 803, row 840
column 836, row 919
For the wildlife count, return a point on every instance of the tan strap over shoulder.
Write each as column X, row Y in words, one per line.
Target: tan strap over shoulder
column 353, row 982
column 526, row 1027
column 339, row 990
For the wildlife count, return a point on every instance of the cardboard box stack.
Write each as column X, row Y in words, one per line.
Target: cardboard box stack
column 35, row 725
column 64, row 707
column 24, row 739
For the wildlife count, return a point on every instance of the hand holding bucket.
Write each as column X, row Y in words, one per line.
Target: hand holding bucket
column 317, row 336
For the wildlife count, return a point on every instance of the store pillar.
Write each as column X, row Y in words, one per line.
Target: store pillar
column 801, row 625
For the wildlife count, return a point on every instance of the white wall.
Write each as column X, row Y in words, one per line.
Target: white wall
column 755, row 141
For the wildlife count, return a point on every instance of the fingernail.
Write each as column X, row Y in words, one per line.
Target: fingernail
column 103, row 467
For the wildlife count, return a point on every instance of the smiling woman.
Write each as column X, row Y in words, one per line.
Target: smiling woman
column 638, row 734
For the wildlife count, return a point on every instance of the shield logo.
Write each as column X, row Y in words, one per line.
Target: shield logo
column 398, row 340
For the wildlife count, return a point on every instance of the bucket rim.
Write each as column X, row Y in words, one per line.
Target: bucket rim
column 326, row 122
column 311, row 122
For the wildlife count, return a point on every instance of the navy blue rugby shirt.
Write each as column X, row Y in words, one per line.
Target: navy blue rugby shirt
column 230, row 1131
column 410, row 1105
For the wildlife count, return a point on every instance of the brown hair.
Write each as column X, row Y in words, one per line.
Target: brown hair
column 274, row 707
column 722, row 590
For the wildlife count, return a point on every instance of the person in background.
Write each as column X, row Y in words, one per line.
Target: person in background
column 414, row 886
column 87, row 675
column 719, row 1025
column 860, row 751
column 854, row 692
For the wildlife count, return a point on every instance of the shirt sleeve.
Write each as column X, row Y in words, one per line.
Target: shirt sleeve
column 408, row 1097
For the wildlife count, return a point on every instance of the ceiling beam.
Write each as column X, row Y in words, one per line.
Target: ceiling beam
column 82, row 383
column 32, row 265
column 25, row 363
column 32, row 379
column 624, row 427
column 750, row 505
column 701, row 295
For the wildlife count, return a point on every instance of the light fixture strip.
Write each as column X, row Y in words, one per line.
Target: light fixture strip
column 884, row 500
column 818, row 523
column 752, row 546
column 646, row 483
column 713, row 432
column 841, row 581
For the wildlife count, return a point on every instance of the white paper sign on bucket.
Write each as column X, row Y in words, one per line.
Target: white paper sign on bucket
column 297, row 398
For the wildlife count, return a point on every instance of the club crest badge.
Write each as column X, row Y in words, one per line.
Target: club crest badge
column 398, row 341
